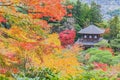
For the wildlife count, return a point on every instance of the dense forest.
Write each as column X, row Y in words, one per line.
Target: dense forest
column 38, row 41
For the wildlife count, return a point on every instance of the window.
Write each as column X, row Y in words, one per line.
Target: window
column 90, row 36
column 95, row 37
column 85, row 36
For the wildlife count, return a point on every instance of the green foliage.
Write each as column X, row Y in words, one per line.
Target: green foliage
column 114, row 27
column 115, row 43
column 96, row 55
column 3, row 78
column 22, row 77
column 92, row 75
column 103, row 24
column 7, row 25
column 84, row 14
column 77, row 28
column 103, row 43
column 17, row 19
column 99, row 56
column 81, row 13
column 116, row 59
column 2, row 62
column 117, row 53
column 118, row 75
column 81, row 58
column 22, row 9
column 107, row 36
column 37, row 74
column 95, row 15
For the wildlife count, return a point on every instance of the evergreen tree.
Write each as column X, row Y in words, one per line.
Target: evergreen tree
column 81, row 14
column 95, row 13
column 115, row 43
column 77, row 12
column 114, row 27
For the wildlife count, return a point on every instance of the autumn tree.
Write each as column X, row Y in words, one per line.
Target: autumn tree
column 67, row 37
column 44, row 9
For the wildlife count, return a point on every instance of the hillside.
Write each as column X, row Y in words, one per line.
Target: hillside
column 106, row 6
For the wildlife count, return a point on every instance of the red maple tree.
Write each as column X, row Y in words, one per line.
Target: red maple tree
column 67, row 37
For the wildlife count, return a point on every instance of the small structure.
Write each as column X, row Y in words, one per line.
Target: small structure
column 90, row 36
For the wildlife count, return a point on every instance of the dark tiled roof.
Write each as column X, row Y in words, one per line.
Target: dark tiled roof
column 92, row 29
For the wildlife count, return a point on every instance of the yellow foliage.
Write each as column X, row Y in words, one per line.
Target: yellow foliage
column 18, row 34
column 15, row 1
column 53, row 39
column 65, row 62
column 24, row 29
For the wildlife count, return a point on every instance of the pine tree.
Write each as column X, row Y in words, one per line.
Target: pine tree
column 95, row 13
column 77, row 12
column 114, row 27
column 115, row 43
column 81, row 14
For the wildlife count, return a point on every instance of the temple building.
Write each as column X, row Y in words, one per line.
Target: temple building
column 90, row 36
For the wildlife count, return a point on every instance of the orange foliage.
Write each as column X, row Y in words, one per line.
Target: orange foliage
column 70, row 7
column 76, row 48
column 46, row 8
column 108, row 49
column 27, row 45
column 20, row 46
column 2, row 19
column 107, row 30
column 43, row 8
column 15, row 70
column 69, row 15
column 43, row 24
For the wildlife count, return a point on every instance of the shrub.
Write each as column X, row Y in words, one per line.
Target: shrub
column 37, row 74
column 94, row 75
column 3, row 77
column 91, row 75
column 95, row 55
column 116, row 59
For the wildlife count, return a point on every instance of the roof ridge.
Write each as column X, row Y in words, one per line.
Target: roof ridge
column 91, row 29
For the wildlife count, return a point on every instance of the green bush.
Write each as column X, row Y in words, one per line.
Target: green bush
column 96, row 55
column 3, row 78
column 37, row 74
column 101, row 56
column 92, row 75
column 95, row 75
column 116, row 59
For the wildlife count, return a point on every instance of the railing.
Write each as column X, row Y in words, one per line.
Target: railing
column 89, row 40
